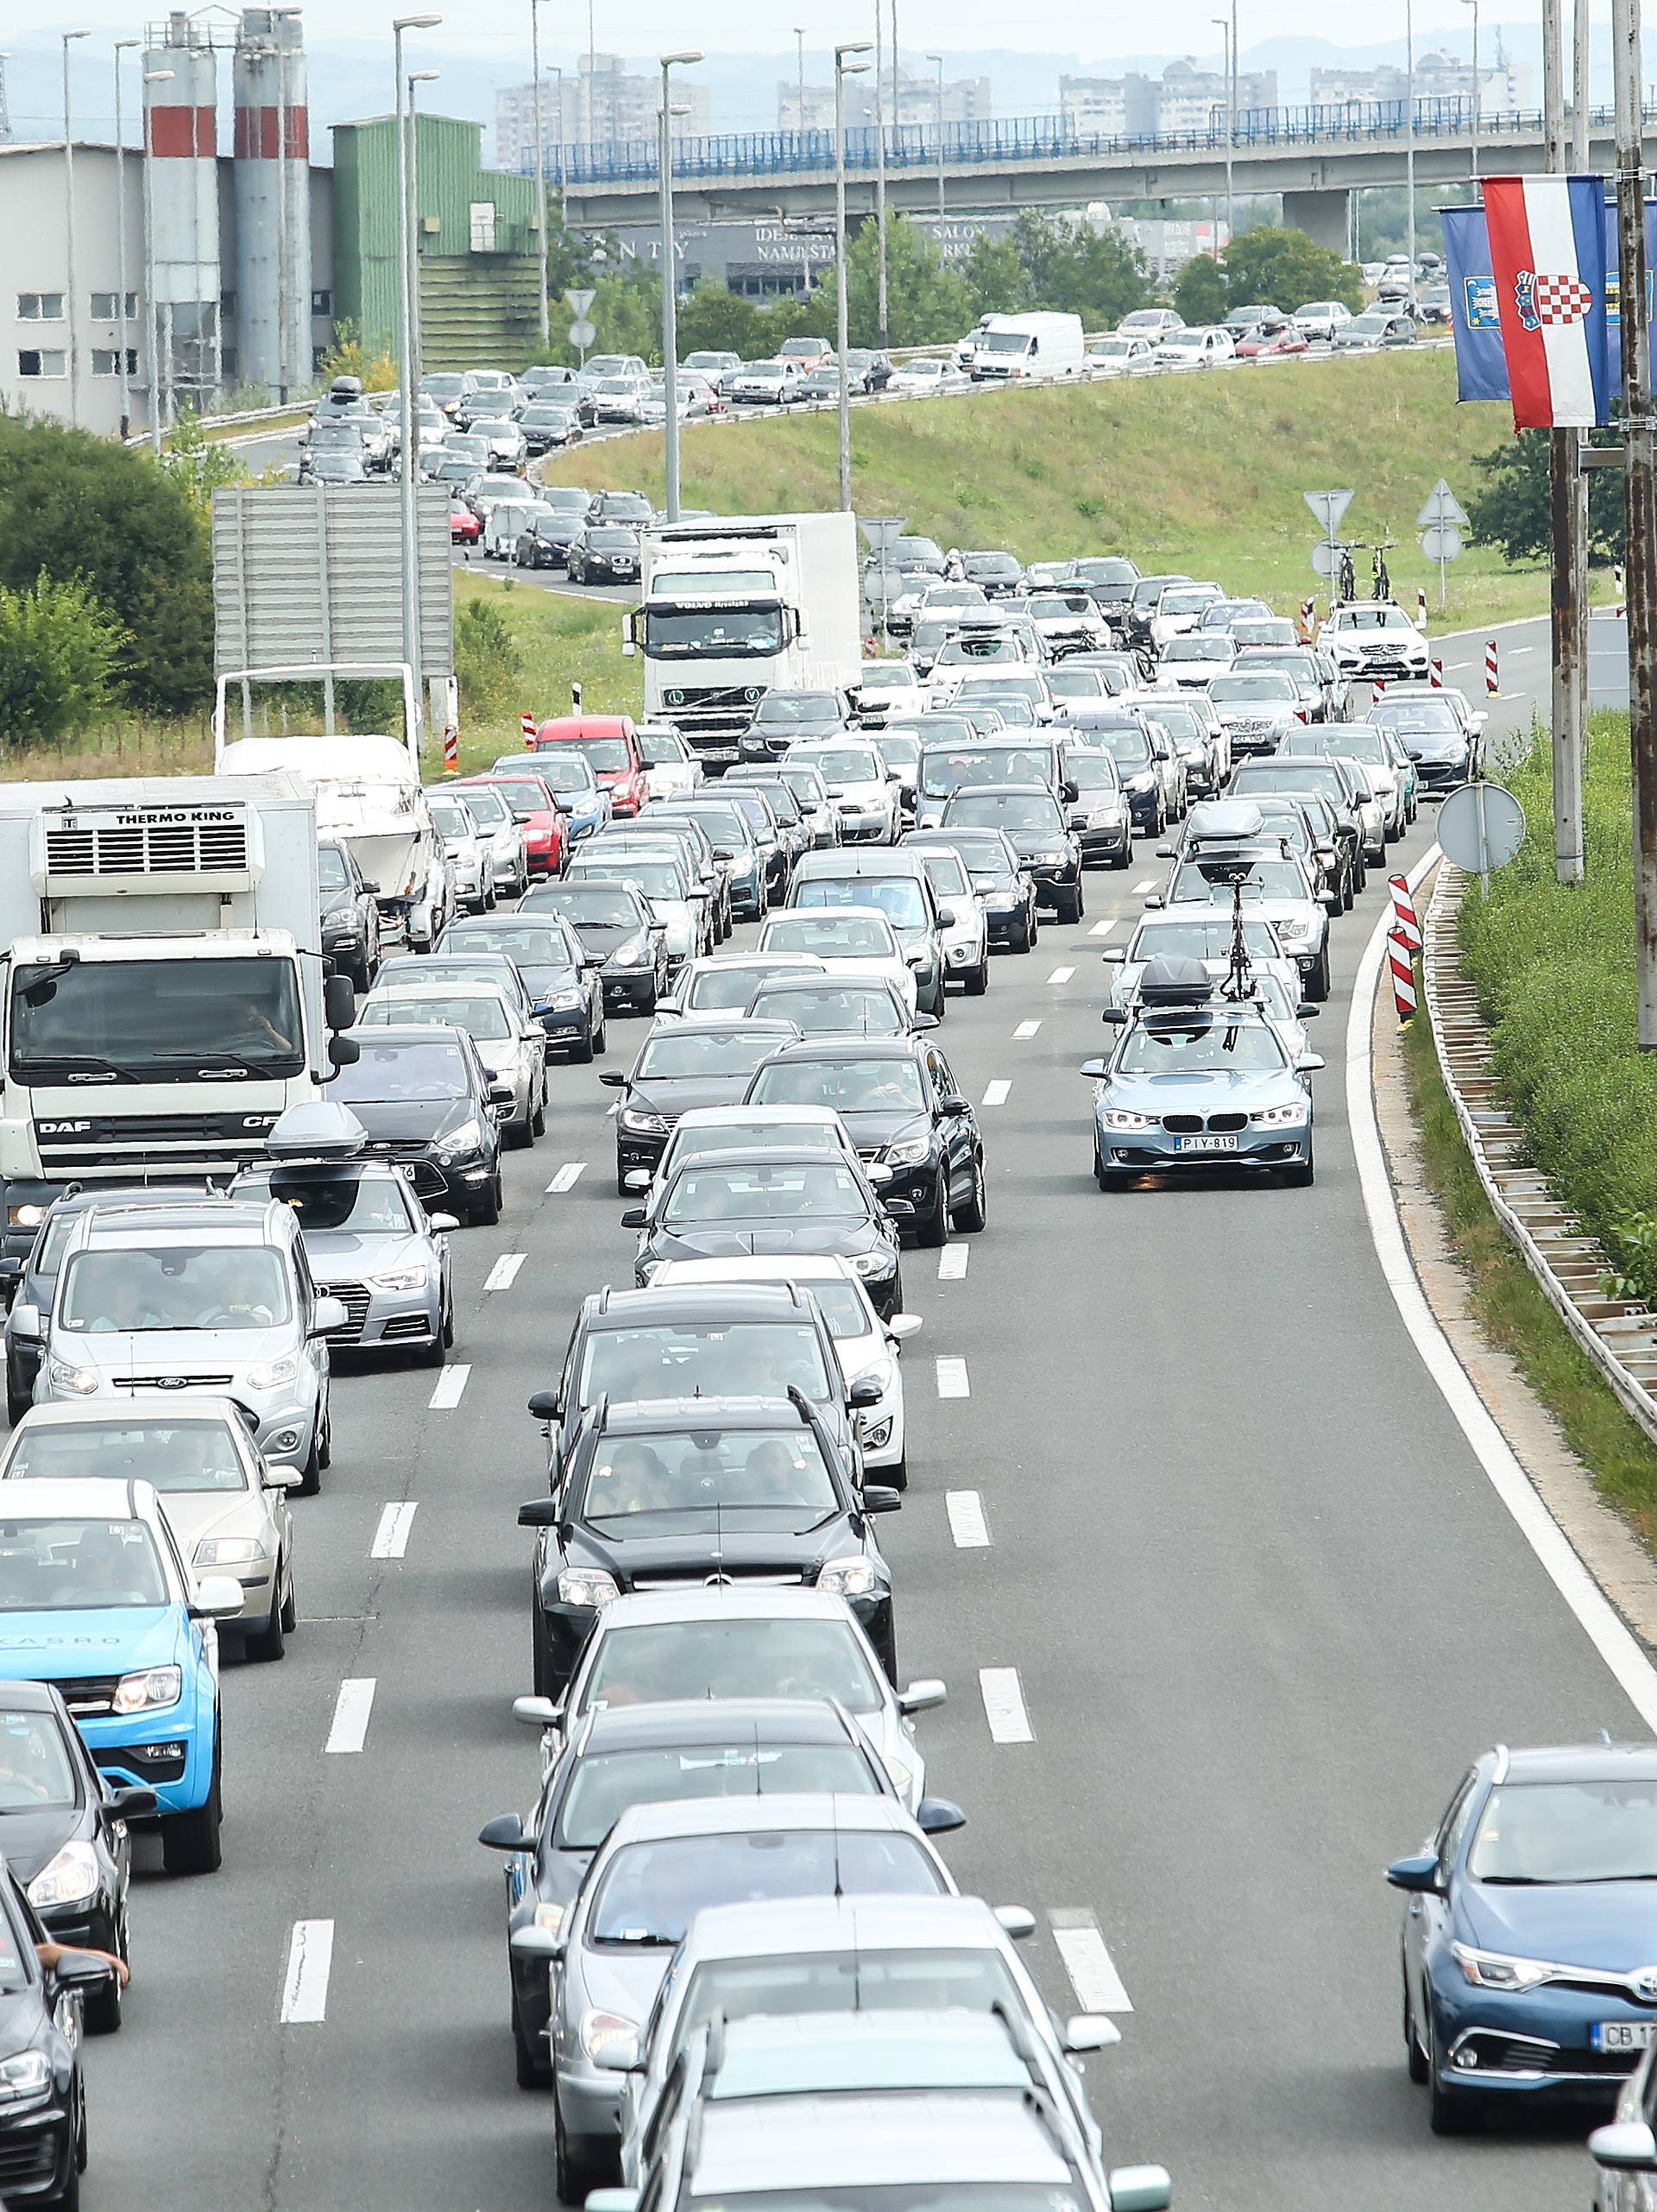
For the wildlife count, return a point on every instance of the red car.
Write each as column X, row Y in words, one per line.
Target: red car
column 1279, row 344
column 465, row 528
column 609, row 744
column 536, row 812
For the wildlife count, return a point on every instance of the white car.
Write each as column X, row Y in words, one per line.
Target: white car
column 1192, row 662
column 724, row 982
column 1320, row 318
column 513, row 1049
column 885, row 687
column 919, row 380
column 672, row 770
column 1181, row 609
column 684, row 910
column 864, row 790
column 500, row 834
column 866, row 1346
column 1280, row 891
column 1203, row 347
column 227, row 1506
column 1153, row 323
column 965, row 936
column 1375, row 637
column 766, row 384
column 848, row 940
column 1124, row 354
column 508, row 446
column 465, row 852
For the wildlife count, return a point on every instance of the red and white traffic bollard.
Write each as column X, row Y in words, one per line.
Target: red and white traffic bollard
column 1436, row 677
column 1420, row 608
column 526, row 723
column 1401, row 961
column 1376, row 689
column 1404, row 923
column 1492, row 681
column 451, row 749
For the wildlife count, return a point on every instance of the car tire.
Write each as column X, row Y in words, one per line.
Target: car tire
column 190, row 1841
column 1025, row 942
column 270, row 1641
column 537, row 1119
column 1304, row 1174
column 578, row 2167
column 1448, row 2112
column 290, row 1606
column 68, row 2197
column 975, row 1210
column 602, row 1036
column 101, row 2013
column 977, row 979
column 896, row 1475
column 1318, row 981
column 310, row 1474
column 1415, row 2059
column 430, row 1355
column 582, row 1052
column 487, row 1210
column 933, row 1229
column 1125, row 859
column 528, row 2072
column 1071, row 908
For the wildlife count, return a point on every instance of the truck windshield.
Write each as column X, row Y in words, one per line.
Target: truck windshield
column 1005, row 342
column 141, row 1021
column 731, row 632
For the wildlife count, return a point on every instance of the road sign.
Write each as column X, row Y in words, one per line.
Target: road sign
column 579, row 302
column 1326, row 556
column 881, row 532
column 582, row 334
column 1328, row 506
column 1481, row 826
column 1442, row 506
column 1441, row 542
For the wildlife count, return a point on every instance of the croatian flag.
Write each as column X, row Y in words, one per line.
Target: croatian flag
column 1549, row 252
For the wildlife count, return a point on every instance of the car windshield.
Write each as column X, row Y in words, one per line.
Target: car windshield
column 1371, row 618
column 712, row 1470
column 1199, row 940
column 453, row 820
column 1320, row 776
column 651, row 1890
column 487, row 807
column 176, row 1456
column 1417, row 717
column 483, row 1018
column 798, row 1190
column 734, row 1359
column 333, row 874
column 694, row 1142
column 1351, row 743
column 568, row 772
column 917, row 1978
column 653, row 1661
column 78, row 1565
column 371, row 1204
column 605, row 1783
column 1568, row 1832
column 684, row 1051
column 1260, row 684
column 1267, row 879
column 590, row 907
column 832, row 935
column 662, row 880
column 656, row 747
column 946, row 873
column 603, row 753
column 1290, row 664
column 392, row 1073
column 947, row 769
column 1027, row 810
column 899, row 898
column 524, row 798
column 1201, row 1047
column 849, row 763
column 833, row 1010
column 173, row 1287
column 1091, row 771
column 36, row 1775
column 785, row 708
column 544, row 944
column 884, row 1086
column 728, row 989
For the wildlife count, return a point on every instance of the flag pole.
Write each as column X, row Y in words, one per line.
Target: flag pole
column 1565, row 545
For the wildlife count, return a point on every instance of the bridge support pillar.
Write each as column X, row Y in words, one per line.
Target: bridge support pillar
column 1325, row 218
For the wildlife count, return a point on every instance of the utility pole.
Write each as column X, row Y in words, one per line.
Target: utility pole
column 152, row 320
column 540, row 165
column 1582, row 108
column 1409, row 143
column 879, row 181
column 1473, row 4
column 799, row 124
column 121, row 330
column 670, row 289
column 1641, row 557
column 843, row 68
column 1222, row 26
column 938, row 58
column 1564, row 551
column 407, row 313
column 69, row 222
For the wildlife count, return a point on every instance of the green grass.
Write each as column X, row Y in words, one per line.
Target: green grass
column 559, row 641
column 1203, row 474
column 1512, row 1311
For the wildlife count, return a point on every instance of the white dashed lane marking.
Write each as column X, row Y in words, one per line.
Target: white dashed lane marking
column 952, row 1379
column 568, row 1176
column 1004, row 1705
column 305, row 1984
column 451, row 1387
column 1086, row 1961
column 351, row 1710
column 996, row 1094
column 1061, row 975
column 391, row 1537
column 504, row 1273
column 967, row 1523
column 1105, row 928
column 1140, row 889
column 951, row 1263
column 1026, row 1030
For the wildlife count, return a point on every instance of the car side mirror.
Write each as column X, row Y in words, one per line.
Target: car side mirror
column 1085, row 2032
column 1332, row 899
column 537, row 1713
column 619, row 2056
column 1114, row 955
column 922, row 1697
column 1069, row 793
column 1164, row 852
column 902, row 1326
column 1419, row 1874
column 1307, row 1011
column 540, row 1513
column 547, row 1405
column 611, row 2200
column 633, row 1218
column 343, row 1051
column 440, row 1223
column 506, row 1833
column 80, row 1969
column 1624, row 2146
column 866, row 1391
column 338, row 1002
column 26, row 1321
column 612, row 1079
column 1134, row 2188
column 637, row 1179
column 218, row 1597
column 328, row 1317
column 1155, row 901
column 536, row 1942
column 878, row 1499
column 939, row 1816
column 1017, row 1921
column 132, row 1804
column 1308, row 1063
column 283, row 1478
column 952, row 1107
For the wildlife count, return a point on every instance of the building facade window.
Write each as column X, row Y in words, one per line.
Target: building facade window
column 106, row 306
column 322, row 303
column 33, row 364
column 106, row 361
column 40, row 306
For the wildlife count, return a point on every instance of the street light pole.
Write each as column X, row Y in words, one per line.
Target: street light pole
column 938, row 58
column 879, row 180
column 540, row 165
column 408, row 474
column 1473, row 4
column 151, row 321
column 122, row 45
column 69, row 223
column 1409, row 142
column 843, row 69
column 670, row 293
column 416, row 333
column 799, row 124
column 1222, row 24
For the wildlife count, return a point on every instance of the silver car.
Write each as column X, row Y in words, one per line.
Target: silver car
column 1259, row 707
column 467, row 851
column 227, row 1505
column 1278, row 889
column 501, row 834
column 509, row 1044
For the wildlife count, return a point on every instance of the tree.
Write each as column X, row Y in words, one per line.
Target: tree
column 927, row 303
column 198, row 464
column 60, row 660
column 1510, row 509
column 996, row 282
column 77, row 508
column 716, row 320
column 1285, row 270
column 1199, row 295
column 352, row 355
column 1089, row 273
column 627, row 312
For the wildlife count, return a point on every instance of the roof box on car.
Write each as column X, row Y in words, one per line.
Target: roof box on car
column 1174, row 983
column 1224, row 821
column 319, row 1130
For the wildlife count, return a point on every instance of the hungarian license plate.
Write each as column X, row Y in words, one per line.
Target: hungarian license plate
column 1206, row 1144
column 1622, row 2035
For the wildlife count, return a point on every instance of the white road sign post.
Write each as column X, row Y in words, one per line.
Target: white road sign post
column 581, row 332
column 1329, row 506
column 1442, row 521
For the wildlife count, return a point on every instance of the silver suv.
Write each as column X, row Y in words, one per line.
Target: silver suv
column 213, row 1295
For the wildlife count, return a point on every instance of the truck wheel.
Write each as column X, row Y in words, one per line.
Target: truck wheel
column 190, row 1841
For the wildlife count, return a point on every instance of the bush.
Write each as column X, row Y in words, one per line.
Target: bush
column 59, row 661
column 1554, row 969
column 488, row 659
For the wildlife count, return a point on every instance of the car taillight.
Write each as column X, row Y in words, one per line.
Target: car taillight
column 1300, row 715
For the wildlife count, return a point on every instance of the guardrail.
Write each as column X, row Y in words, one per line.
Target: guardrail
column 232, row 422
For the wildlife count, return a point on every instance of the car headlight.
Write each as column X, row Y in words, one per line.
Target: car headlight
column 868, row 1264
column 626, row 956
column 1101, row 817
column 848, row 1578
column 82, row 1380
column 910, row 1153
column 637, row 1117
column 66, row 1879
column 402, row 1278
column 229, row 1550
column 899, row 1772
column 1293, row 926
column 586, row 1585
column 1125, row 1118
column 1490, row 1970
column 468, row 1137
column 599, row 2030
column 25, row 1217
column 566, row 1002
column 25, row 2074
column 1278, row 1116
column 272, row 1374
column 149, row 1688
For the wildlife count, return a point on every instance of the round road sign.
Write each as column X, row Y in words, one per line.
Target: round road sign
column 1325, row 556
column 1481, row 826
column 582, row 334
column 1441, row 541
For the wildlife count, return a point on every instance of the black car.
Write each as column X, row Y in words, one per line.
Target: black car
column 605, row 552
column 685, row 1062
column 722, row 1339
column 1108, row 579
column 350, row 913
column 1133, row 749
column 427, row 1101
column 548, row 423
column 545, row 542
column 1033, row 820
column 705, row 1747
column 833, row 1007
column 63, row 1832
column 43, row 2114
column 904, row 1111
column 1001, row 878
column 1326, row 779
column 872, row 372
column 683, row 1490
column 612, row 924
column 742, row 1204
column 565, row 990
column 997, row 574
column 1140, row 609
column 630, row 508
column 333, row 464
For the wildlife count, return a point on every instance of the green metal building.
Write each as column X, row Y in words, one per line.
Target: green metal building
column 476, row 231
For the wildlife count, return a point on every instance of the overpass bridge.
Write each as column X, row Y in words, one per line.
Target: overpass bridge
column 1315, row 157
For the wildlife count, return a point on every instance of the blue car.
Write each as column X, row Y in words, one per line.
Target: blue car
column 95, row 1598
column 1198, row 1080
column 1530, row 1937
column 568, row 775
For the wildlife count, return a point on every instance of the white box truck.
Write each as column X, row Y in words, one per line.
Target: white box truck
column 164, row 998
column 733, row 608
column 1028, row 348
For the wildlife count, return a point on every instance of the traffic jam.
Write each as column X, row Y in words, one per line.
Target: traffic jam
column 716, row 953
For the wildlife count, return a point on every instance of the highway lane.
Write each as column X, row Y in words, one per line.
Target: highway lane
column 1259, row 1603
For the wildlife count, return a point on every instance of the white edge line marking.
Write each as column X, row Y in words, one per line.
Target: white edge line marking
column 952, row 1379
column 1026, row 1030
column 504, row 1273
column 996, row 1094
column 951, row 1263
column 351, row 1710
column 1004, row 1705
column 452, row 1384
column 305, row 1983
column 1061, row 975
column 568, row 1175
column 1595, row 1614
column 391, row 1537
column 967, row 1523
column 1088, row 1963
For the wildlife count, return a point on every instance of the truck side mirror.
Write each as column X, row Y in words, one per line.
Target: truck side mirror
column 338, row 1002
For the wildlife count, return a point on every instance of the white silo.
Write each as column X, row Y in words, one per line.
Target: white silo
column 180, row 140
column 273, row 201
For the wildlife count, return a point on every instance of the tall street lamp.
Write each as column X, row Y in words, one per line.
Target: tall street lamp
column 151, row 321
column 416, row 336
column 122, row 45
column 287, row 351
column 1473, row 4
column 843, row 69
column 799, row 46
column 69, row 221
column 879, row 182
column 540, row 165
column 669, row 297
column 1409, row 143
column 938, row 58
column 1224, row 30
column 408, row 475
